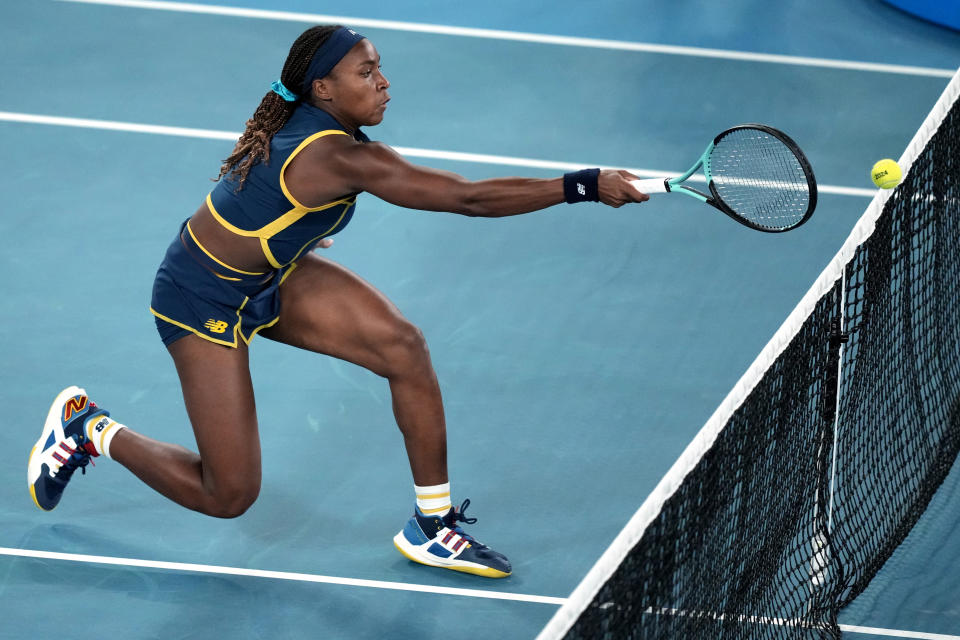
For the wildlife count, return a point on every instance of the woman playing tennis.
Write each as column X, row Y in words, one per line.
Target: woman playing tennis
column 242, row 265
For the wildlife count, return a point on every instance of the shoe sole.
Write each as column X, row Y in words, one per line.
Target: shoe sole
column 417, row 555
column 34, row 466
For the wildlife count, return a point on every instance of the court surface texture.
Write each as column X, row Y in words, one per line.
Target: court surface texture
column 579, row 349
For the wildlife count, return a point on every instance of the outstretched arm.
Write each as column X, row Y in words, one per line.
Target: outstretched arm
column 378, row 169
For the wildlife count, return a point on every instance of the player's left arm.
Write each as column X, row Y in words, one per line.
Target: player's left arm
column 381, row 171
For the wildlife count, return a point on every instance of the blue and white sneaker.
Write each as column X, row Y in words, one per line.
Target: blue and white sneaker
column 63, row 446
column 438, row 542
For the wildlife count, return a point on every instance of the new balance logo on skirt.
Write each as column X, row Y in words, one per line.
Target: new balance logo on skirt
column 215, row 326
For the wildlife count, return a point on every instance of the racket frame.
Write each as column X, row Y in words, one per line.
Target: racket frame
column 674, row 185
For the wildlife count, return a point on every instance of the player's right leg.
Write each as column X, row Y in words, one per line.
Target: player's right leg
column 68, row 440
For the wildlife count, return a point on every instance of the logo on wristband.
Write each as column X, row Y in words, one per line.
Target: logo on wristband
column 581, row 186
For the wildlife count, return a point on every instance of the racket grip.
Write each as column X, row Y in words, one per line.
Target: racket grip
column 651, row 185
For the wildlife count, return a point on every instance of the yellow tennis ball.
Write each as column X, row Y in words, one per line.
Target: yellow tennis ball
column 886, row 174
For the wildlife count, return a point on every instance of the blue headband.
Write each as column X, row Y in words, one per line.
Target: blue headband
column 328, row 55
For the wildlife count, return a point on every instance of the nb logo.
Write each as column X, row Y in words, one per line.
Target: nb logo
column 215, row 326
column 103, row 422
column 74, row 405
column 581, row 189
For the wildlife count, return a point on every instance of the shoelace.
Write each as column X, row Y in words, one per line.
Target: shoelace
column 457, row 515
column 79, row 459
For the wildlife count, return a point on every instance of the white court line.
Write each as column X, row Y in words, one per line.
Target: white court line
column 277, row 575
column 374, row 584
column 497, row 34
column 411, row 152
column 896, row 633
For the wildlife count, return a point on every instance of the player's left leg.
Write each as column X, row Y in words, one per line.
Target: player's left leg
column 327, row 309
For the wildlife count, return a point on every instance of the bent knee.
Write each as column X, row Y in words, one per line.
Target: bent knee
column 233, row 502
column 409, row 338
column 403, row 348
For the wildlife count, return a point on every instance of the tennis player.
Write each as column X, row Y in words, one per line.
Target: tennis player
column 242, row 265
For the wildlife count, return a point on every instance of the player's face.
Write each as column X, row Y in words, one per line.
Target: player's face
column 357, row 86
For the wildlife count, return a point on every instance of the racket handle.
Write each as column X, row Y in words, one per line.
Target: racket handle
column 651, row 185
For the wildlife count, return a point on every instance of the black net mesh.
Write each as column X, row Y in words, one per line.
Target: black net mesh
column 779, row 526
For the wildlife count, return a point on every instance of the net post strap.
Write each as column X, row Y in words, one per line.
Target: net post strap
column 836, row 404
column 579, row 599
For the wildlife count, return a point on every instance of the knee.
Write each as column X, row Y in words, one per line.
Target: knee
column 234, row 501
column 404, row 348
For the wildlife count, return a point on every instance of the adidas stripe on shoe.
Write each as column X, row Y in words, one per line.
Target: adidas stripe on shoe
column 63, row 446
column 439, row 542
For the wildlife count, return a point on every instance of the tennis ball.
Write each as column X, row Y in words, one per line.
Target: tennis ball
column 886, row 174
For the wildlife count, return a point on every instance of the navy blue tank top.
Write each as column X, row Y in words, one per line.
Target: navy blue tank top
column 266, row 209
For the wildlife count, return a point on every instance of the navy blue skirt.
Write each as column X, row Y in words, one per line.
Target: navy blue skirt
column 196, row 293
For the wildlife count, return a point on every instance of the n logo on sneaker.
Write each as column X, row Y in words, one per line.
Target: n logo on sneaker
column 215, row 326
column 74, row 405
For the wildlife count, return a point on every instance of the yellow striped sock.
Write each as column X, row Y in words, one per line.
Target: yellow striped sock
column 100, row 431
column 433, row 500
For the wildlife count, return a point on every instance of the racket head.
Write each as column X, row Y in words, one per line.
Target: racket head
column 758, row 176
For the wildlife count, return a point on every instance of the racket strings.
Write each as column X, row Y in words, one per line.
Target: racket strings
column 760, row 178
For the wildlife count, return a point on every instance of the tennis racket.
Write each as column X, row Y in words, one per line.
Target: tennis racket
column 755, row 174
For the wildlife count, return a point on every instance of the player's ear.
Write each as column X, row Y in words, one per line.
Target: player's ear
column 321, row 89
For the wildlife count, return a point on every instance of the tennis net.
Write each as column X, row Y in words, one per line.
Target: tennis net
column 827, row 451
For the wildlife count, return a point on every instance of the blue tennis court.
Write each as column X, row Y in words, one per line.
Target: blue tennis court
column 579, row 349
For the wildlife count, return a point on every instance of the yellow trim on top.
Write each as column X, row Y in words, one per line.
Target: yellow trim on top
column 295, row 214
column 265, row 233
column 323, row 235
column 301, row 147
column 218, row 261
column 265, row 247
column 298, row 211
column 227, row 225
column 228, row 278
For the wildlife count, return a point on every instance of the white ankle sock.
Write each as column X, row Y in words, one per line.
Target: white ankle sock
column 433, row 500
column 100, row 430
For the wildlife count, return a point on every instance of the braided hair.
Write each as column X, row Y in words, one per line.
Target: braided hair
column 273, row 112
